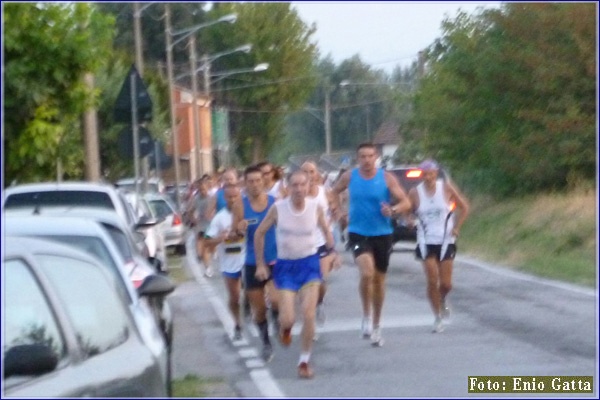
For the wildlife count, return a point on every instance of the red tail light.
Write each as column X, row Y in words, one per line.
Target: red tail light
column 176, row 220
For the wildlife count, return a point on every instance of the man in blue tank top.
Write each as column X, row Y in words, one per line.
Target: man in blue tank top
column 247, row 216
column 370, row 230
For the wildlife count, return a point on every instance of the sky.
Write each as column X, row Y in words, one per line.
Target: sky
column 383, row 34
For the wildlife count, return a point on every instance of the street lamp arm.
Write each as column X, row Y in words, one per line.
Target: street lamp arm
column 187, row 32
column 223, row 75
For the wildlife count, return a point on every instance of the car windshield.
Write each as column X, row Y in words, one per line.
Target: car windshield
column 161, row 208
column 60, row 198
column 120, row 240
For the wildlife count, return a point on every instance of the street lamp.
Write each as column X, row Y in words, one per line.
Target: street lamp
column 230, row 18
column 206, row 60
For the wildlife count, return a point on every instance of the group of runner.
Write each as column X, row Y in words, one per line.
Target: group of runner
column 277, row 240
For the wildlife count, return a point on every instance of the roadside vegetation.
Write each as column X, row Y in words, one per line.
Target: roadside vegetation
column 194, row 386
column 549, row 235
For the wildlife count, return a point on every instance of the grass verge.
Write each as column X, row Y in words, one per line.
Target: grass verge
column 551, row 235
column 194, row 386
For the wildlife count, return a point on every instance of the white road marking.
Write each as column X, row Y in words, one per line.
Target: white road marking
column 262, row 378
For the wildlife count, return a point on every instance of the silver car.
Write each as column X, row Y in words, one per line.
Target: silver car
column 173, row 229
column 67, row 332
column 89, row 236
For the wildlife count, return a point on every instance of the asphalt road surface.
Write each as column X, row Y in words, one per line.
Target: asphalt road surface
column 503, row 323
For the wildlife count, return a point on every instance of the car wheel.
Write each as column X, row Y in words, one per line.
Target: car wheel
column 180, row 249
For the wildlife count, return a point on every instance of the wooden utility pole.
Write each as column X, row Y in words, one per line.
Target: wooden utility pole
column 90, row 137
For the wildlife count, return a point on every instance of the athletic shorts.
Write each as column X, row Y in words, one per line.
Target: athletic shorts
column 250, row 281
column 435, row 250
column 379, row 246
column 232, row 275
column 323, row 251
column 295, row 274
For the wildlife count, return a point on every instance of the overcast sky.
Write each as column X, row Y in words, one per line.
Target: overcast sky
column 384, row 34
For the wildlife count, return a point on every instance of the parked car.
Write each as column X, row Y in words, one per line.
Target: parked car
column 155, row 185
column 153, row 233
column 67, row 332
column 102, row 236
column 173, row 229
column 409, row 177
column 87, row 194
column 75, row 194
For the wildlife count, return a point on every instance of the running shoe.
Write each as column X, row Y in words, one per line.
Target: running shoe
column 376, row 339
column 305, row 371
column 366, row 328
column 438, row 325
column 285, row 337
column 209, row 272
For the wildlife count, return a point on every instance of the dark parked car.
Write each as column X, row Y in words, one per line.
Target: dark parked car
column 409, row 177
column 66, row 330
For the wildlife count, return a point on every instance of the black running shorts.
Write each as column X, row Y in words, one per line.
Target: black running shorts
column 379, row 246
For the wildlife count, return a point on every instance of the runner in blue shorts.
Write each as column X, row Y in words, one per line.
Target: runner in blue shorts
column 297, row 270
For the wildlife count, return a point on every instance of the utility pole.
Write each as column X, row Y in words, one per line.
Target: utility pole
column 139, row 64
column 197, row 139
column 206, row 63
column 327, row 119
column 175, row 140
column 90, row 127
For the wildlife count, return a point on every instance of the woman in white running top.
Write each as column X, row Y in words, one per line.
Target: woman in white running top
column 436, row 203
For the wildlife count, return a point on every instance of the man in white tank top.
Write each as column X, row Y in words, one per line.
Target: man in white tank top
column 297, row 270
column 436, row 204
column 328, row 259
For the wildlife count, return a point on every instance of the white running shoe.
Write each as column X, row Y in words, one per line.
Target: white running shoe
column 366, row 328
column 208, row 272
column 376, row 339
column 438, row 325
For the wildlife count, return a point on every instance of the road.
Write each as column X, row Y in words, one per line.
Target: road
column 503, row 323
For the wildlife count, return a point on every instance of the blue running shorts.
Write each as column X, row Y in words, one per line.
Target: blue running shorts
column 294, row 274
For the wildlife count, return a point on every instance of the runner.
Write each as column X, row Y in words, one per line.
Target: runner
column 370, row 231
column 297, row 270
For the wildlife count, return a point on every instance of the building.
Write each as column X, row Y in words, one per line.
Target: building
column 189, row 168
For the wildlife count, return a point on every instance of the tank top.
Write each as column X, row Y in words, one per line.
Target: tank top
column 296, row 237
column 435, row 220
column 275, row 190
column 321, row 199
column 365, row 197
column 254, row 219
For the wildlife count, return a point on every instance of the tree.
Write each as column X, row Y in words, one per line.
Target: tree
column 509, row 97
column 279, row 37
column 48, row 48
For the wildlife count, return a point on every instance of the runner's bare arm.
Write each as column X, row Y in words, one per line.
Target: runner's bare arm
column 462, row 205
column 396, row 190
column 259, row 243
column 339, row 187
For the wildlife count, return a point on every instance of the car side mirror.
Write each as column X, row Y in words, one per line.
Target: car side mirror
column 156, row 285
column 29, row 359
column 146, row 222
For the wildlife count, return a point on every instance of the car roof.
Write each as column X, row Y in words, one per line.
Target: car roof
column 70, row 185
column 18, row 246
column 16, row 221
column 94, row 213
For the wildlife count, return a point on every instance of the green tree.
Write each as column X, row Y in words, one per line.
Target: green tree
column 109, row 80
column 48, row 48
column 509, row 97
column 258, row 101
